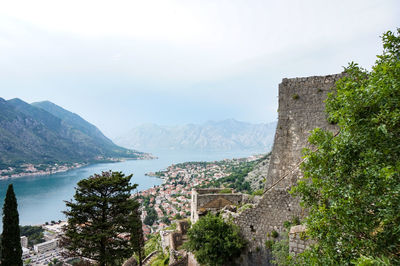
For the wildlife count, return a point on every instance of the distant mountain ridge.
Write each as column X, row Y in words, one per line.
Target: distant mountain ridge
column 223, row 135
column 44, row 133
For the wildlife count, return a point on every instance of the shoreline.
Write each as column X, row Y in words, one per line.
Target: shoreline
column 64, row 168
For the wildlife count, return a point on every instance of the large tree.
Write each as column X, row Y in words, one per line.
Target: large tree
column 101, row 217
column 11, row 251
column 214, row 241
column 351, row 184
column 137, row 238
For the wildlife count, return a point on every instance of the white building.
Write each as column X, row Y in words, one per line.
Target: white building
column 25, row 252
column 24, row 241
column 46, row 246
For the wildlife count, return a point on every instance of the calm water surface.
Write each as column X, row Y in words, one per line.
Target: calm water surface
column 41, row 198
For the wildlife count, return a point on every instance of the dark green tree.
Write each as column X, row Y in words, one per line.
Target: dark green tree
column 33, row 233
column 137, row 238
column 214, row 241
column 351, row 184
column 11, row 251
column 151, row 216
column 101, row 218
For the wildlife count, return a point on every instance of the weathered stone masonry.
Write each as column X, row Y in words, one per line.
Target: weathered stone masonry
column 298, row 240
column 301, row 109
column 210, row 199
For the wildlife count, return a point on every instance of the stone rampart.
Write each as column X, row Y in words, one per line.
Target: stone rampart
column 301, row 109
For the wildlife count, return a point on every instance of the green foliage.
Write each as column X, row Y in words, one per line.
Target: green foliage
column 368, row 261
column 245, row 207
column 55, row 262
column 258, row 192
column 11, row 250
column 225, row 191
column 287, row 224
column 151, row 216
column 280, row 251
column 236, row 180
column 295, row 221
column 269, row 243
column 33, row 233
column 165, row 220
column 214, row 241
column 295, row 96
column 161, row 260
column 351, row 184
column 153, row 244
column 101, row 218
column 274, row 234
column 281, row 256
column 136, row 234
column 171, row 227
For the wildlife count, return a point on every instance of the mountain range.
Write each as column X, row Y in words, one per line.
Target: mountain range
column 226, row 135
column 45, row 133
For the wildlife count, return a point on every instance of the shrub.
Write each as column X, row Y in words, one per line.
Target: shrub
column 214, row 241
column 269, row 243
column 258, row 192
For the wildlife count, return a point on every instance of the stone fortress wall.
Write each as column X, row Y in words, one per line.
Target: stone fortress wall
column 301, row 109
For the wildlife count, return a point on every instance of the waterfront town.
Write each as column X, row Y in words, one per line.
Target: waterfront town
column 40, row 169
column 169, row 201
column 29, row 169
column 48, row 252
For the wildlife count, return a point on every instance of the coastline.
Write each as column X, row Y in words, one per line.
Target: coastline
column 43, row 172
column 31, row 169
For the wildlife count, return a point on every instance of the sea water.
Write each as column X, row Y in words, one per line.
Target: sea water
column 41, row 198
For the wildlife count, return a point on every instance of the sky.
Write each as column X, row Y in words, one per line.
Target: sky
column 119, row 64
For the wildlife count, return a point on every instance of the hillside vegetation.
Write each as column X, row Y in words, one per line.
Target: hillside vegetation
column 44, row 133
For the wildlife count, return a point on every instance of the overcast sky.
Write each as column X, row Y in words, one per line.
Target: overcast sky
column 122, row 63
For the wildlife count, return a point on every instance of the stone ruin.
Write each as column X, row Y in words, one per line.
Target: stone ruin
column 211, row 200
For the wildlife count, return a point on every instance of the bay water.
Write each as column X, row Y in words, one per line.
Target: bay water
column 41, row 198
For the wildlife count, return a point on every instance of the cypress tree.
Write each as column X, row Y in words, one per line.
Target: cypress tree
column 11, row 244
column 137, row 238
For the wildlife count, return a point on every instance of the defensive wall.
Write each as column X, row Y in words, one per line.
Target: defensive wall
column 301, row 109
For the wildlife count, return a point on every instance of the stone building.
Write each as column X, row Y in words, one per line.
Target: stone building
column 211, row 199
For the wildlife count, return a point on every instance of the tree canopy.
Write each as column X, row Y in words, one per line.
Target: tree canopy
column 11, row 250
column 214, row 241
column 351, row 183
column 101, row 218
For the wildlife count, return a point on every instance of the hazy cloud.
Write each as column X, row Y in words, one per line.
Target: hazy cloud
column 119, row 63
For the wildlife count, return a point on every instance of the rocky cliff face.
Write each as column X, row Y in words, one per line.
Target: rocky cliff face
column 301, row 109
